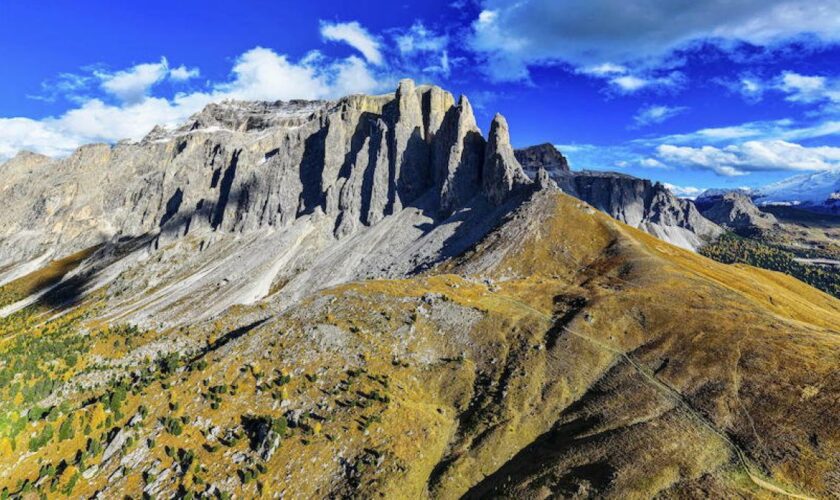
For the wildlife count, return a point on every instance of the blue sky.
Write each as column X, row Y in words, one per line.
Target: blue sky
column 720, row 93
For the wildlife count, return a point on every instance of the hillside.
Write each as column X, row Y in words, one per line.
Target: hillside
column 415, row 320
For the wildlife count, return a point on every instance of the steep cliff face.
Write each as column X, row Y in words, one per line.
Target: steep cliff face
column 252, row 197
column 542, row 156
column 637, row 202
column 240, row 166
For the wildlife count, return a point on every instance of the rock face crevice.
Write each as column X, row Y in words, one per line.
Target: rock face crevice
column 240, row 166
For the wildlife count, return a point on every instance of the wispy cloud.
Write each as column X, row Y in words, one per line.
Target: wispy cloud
column 740, row 159
column 356, row 36
column 783, row 129
column 653, row 114
column 625, row 81
column 424, row 49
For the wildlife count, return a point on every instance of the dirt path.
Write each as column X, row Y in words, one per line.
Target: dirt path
column 675, row 395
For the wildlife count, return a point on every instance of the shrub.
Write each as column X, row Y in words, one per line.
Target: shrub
column 173, row 426
column 66, row 431
column 41, row 439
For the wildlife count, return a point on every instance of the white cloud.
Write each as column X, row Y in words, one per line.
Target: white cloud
column 182, row 73
column 650, row 115
column 750, row 86
column 784, row 129
column 747, row 85
column 605, row 69
column 809, row 89
column 689, row 192
column 511, row 36
column 133, row 84
column 419, row 38
column 653, row 163
column 258, row 74
column 17, row 134
column 356, row 36
column 626, row 82
column 262, row 74
column 750, row 156
column 421, row 49
column 630, row 83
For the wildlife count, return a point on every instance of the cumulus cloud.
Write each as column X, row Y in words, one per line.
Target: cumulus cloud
column 133, row 84
column 653, row 114
column 809, row 89
column 183, row 73
column 356, row 36
column 740, row 159
column 511, row 36
column 258, row 74
column 689, row 192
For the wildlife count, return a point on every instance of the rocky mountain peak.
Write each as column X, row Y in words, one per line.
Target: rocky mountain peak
column 239, row 166
column 734, row 210
column 542, row 156
column 502, row 173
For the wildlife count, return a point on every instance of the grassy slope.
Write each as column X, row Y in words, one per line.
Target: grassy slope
column 596, row 359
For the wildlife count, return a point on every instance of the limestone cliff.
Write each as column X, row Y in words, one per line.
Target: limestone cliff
column 240, row 166
column 638, row 202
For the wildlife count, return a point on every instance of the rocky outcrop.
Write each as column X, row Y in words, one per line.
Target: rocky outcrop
column 458, row 156
column 542, row 156
column 735, row 210
column 502, row 173
column 646, row 205
column 637, row 202
column 236, row 167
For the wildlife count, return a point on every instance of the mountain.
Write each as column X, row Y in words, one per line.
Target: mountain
column 638, row 202
column 543, row 156
column 367, row 298
column 786, row 238
column 818, row 192
column 734, row 210
column 314, row 179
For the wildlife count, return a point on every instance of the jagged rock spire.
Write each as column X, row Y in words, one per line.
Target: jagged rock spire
column 239, row 166
column 411, row 167
column 502, row 173
column 458, row 157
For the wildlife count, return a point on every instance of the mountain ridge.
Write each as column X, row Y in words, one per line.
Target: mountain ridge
column 640, row 203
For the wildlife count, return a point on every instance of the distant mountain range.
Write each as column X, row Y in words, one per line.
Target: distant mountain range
column 816, row 192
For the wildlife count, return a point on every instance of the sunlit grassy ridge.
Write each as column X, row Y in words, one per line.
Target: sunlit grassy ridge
column 566, row 354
